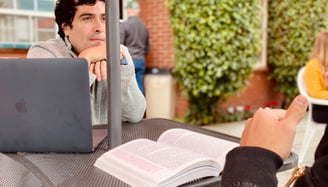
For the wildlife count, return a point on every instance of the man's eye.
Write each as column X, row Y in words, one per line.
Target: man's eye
column 86, row 18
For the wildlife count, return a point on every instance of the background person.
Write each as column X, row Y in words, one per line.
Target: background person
column 316, row 81
column 316, row 69
column 134, row 35
column 81, row 25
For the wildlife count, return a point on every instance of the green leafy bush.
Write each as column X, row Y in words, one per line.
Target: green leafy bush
column 292, row 28
column 216, row 45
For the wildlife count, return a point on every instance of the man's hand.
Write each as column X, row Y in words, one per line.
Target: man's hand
column 99, row 68
column 96, row 57
column 274, row 129
column 97, row 60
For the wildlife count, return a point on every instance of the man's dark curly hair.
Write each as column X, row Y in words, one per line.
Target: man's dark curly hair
column 65, row 12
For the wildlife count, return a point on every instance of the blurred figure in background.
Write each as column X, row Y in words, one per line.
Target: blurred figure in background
column 134, row 35
column 316, row 81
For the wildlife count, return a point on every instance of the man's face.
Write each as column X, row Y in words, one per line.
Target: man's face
column 88, row 27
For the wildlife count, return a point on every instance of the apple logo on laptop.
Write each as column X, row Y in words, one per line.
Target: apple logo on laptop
column 21, row 106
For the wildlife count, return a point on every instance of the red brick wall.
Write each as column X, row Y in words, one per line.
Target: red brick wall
column 155, row 15
column 259, row 92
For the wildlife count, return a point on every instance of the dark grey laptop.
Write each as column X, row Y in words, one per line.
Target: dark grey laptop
column 45, row 105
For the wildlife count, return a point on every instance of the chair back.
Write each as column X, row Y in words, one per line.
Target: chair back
column 319, row 105
column 311, row 124
column 300, row 83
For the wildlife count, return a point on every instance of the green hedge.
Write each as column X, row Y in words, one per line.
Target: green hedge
column 216, row 45
column 292, row 28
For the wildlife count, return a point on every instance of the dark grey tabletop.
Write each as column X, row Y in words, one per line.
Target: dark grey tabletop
column 69, row 169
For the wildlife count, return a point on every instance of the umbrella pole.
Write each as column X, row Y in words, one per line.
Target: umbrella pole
column 113, row 74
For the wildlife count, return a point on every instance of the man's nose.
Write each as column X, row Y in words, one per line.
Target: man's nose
column 100, row 25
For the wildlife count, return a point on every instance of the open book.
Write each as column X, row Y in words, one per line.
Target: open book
column 179, row 156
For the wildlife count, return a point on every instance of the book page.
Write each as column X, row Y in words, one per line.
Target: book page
column 203, row 144
column 151, row 162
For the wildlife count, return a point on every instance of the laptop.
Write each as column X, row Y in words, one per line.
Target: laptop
column 45, row 106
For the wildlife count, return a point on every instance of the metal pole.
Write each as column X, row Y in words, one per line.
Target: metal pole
column 113, row 74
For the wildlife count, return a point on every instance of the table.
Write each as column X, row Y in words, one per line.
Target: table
column 72, row 169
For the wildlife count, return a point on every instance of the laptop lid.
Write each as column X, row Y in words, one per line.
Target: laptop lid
column 45, row 105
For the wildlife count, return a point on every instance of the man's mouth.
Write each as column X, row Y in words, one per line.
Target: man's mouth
column 97, row 39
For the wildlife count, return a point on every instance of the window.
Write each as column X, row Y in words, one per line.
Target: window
column 25, row 4
column 44, row 28
column 20, row 29
column 45, row 5
column 23, row 22
column 6, row 4
column 6, row 27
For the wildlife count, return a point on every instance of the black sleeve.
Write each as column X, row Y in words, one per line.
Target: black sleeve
column 250, row 167
column 315, row 176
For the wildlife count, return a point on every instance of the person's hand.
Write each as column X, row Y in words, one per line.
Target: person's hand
column 274, row 129
column 96, row 57
column 97, row 60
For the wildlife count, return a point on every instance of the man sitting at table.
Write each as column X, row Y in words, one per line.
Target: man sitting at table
column 82, row 34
